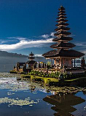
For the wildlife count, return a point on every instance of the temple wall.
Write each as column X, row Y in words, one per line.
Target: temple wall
column 67, row 62
column 55, row 62
column 15, row 69
column 21, row 70
column 62, row 62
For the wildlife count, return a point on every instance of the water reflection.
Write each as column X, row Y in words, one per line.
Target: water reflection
column 43, row 100
column 63, row 104
column 22, row 98
column 18, row 85
column 84, row 92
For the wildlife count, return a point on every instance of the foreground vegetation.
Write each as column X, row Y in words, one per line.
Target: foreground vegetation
column 56, row 78
column 45, row 80
column 13, row 71
column 44, row 74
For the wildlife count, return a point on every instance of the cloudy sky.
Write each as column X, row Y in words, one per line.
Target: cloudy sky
column 28, row 25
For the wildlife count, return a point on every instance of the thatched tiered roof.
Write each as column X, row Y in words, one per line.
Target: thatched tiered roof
column 62, row 45
column 63, row 53
column 31, row 56
column 62, row 39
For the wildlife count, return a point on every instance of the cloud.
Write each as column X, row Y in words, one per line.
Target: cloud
column 84, row 51
column 25, row 44
column 81, row 44
column 38, row 55
column 52, row 34
column 45, row 36
column 72, row 35
column 48, row 35
column 18, row 38
column 2, row 41
column 13, row 43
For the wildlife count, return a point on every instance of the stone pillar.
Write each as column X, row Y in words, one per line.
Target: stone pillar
column 83, row 62
column 54, row 61
column 70, row 63
column 63, row 62
column 60, row 63
column 74, row 63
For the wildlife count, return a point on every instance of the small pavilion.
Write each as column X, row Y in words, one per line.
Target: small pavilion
column 20, row 65
column 26, row 66
column 63, row 54
column 31, row 64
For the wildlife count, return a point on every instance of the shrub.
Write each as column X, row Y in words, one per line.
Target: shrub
column 48, row 64
column 43, row 74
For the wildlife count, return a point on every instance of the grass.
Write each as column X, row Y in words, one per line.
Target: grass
column 49, row 80
column 25, row 75
column 70, row 80
column 46, row 80
column 13, row 71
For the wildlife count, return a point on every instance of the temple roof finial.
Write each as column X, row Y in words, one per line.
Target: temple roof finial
column 61, row 6
column 31, row 53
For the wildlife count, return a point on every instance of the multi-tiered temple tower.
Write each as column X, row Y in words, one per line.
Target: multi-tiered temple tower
column 31, row 56
column 63, row 54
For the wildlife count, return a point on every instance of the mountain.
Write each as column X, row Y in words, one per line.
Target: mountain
column 9, row 60
column 4, row 54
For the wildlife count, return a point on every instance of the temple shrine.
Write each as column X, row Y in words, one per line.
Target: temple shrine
column 63, row 53
column 31, row 64
column 26, row 66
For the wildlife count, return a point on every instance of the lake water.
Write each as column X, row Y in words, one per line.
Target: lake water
column 27, row 98
column 8, row 63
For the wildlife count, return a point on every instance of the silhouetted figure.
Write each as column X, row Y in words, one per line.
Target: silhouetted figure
column 39, row 65
column 83, row 62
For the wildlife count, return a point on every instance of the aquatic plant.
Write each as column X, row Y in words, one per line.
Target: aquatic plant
column 17, row 101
